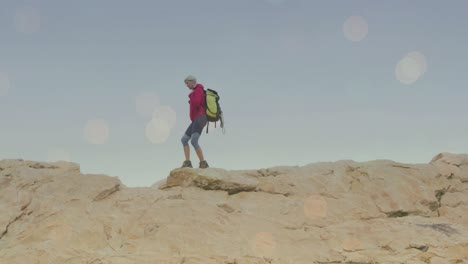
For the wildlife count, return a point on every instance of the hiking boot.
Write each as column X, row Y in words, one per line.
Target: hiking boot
column 203, row 164
column 187, row 164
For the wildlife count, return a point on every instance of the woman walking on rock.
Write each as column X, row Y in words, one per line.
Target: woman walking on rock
column 198, row 122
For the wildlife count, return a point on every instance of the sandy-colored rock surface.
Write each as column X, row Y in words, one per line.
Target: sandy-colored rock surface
column 379, row 211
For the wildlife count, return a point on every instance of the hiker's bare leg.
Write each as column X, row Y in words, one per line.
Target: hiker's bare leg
column 200, row 154
column 185, row 139
column 198, row 150
column 187, row 152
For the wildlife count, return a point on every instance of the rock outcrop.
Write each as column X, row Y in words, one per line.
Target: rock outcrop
column 378, row 211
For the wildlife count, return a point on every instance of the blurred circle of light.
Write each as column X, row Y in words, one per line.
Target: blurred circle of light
column 60, row 233
column 315, row 207
column 411, row 67
column 27, row 20
column 167, row 113
column 355, row 28
column 146, row 103
column 293, row 43
column 157, row 130
column 352, row 244
column 58, row 154
column 4, row 84
column 264, row 244
column 276, row 2
column 96, row 131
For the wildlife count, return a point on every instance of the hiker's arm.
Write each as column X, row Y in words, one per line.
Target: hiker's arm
column 198, row 97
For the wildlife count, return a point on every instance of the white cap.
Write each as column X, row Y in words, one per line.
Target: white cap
column 190, row 78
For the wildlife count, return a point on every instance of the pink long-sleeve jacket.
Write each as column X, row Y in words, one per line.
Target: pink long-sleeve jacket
column 197, row 102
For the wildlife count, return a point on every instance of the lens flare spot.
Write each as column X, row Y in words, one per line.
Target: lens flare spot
column 264, row 244
column 352, row 244
column 59, row 232
column 146, row 103
column 411, row 67
column 27, row 20
column 58, row 154
column 96, row 131
column 158, row 130
column 276, row 2
column 315, row 207
column 355, row 28
column 4, row 84
column 167, row 113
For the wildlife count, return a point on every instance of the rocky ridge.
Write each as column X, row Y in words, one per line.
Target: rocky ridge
column 378, row 211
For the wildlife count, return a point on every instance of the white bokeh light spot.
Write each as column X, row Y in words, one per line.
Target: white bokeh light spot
column 355, row 28
column 157, row 130
column 264, row 244
column 276, row 2
column 58, row 154
column 352, row 244
column 96, row 131
column 167, row 113
column 315, row 207
column 411, row 67
column 420, row 59
column 60, row 232
column 146, row 103
column 27, row 20
column 293, row 42
column 4, row 84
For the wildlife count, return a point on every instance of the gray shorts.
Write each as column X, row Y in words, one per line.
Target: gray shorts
column 197, row 125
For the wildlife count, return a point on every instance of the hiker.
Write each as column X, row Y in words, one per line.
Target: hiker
column 199, row 120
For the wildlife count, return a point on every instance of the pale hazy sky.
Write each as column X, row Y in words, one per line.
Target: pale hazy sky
column 300, row 81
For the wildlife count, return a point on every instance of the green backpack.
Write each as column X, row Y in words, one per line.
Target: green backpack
column 213, row 109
